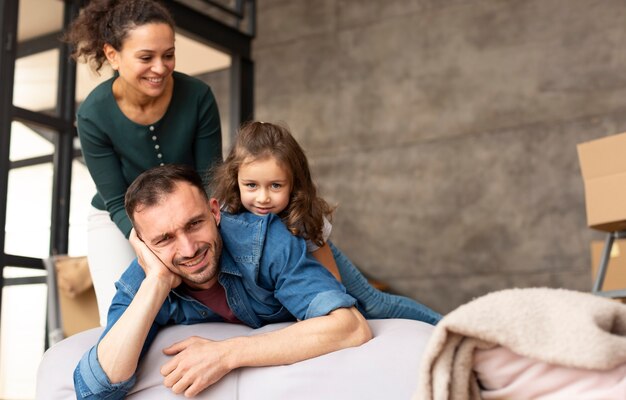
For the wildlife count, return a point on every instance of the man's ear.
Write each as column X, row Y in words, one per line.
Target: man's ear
column 111, row 55
column 214, row 206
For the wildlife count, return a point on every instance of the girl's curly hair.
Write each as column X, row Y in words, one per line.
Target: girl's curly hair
column 304, row 215
column 108, row 22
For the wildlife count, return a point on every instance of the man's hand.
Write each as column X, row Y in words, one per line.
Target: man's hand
column 150, row 263
column 197, row 364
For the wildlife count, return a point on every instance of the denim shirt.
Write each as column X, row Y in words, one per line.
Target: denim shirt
column 268, row 278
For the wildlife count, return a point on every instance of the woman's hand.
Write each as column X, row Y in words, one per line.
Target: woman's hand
column 150, row 263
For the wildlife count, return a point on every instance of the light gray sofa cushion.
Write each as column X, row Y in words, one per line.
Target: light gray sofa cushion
column 384, row 368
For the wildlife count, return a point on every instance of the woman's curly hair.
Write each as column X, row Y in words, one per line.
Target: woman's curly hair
column 304, row 215
column 108, row 22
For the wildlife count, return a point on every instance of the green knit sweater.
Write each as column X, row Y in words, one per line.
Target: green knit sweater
column 117, row 149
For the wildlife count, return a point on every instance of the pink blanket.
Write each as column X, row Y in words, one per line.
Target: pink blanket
column 569, row 334
column 504, row 375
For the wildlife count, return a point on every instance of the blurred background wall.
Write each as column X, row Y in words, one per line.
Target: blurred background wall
column 446, row 131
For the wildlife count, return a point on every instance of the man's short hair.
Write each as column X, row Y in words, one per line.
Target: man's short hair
column 152, row 185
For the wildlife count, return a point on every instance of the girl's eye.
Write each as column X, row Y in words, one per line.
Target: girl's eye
column 276, row 186
column 251, row 185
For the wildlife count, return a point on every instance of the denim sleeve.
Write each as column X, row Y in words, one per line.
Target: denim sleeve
column 90, row 380
column 325, row 302
column 303, row 285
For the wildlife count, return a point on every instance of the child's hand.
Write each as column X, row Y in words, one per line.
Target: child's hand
column 151, row 263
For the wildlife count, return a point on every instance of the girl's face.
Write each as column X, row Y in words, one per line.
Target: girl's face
column 146, row 61
column 264, row 186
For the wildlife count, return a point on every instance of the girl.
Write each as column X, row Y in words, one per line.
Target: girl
column 267, row 172
column 146, row 115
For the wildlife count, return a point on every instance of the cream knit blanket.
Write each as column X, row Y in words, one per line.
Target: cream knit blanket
column 558, row 326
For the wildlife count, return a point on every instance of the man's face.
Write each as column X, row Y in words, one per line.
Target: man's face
column 182, row 231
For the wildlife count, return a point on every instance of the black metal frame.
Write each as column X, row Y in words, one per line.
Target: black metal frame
column 605, row 259
column 61, row 123
column 232, row 40
column 8, row 45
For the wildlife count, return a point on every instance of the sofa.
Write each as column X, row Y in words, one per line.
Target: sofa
column 384, row 368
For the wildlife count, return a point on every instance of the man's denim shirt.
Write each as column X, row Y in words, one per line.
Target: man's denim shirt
column 266, row 273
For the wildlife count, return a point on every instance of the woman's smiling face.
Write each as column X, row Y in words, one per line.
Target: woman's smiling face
column 147, row 59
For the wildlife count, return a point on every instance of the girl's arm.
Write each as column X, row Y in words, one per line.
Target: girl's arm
column 325, row 256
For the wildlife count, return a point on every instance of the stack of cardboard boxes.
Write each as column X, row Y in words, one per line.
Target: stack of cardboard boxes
column 603, row 167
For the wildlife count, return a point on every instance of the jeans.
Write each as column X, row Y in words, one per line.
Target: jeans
column 373, row 303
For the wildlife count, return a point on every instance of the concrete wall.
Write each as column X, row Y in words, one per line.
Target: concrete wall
column 446, row 131
column 219, row 81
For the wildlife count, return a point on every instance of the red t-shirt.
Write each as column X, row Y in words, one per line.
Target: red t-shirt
column 214, row 298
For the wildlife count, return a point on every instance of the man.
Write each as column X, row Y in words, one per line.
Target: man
column 195, row 264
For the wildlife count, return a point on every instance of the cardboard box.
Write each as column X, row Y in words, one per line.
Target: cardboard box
column 603, row 167
column 77, row 298
column 615, row 278
column 79, row 313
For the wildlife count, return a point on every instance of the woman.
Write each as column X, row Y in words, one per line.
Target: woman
column 146, row 115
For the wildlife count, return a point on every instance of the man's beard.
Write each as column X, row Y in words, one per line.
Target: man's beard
column 209, row 271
